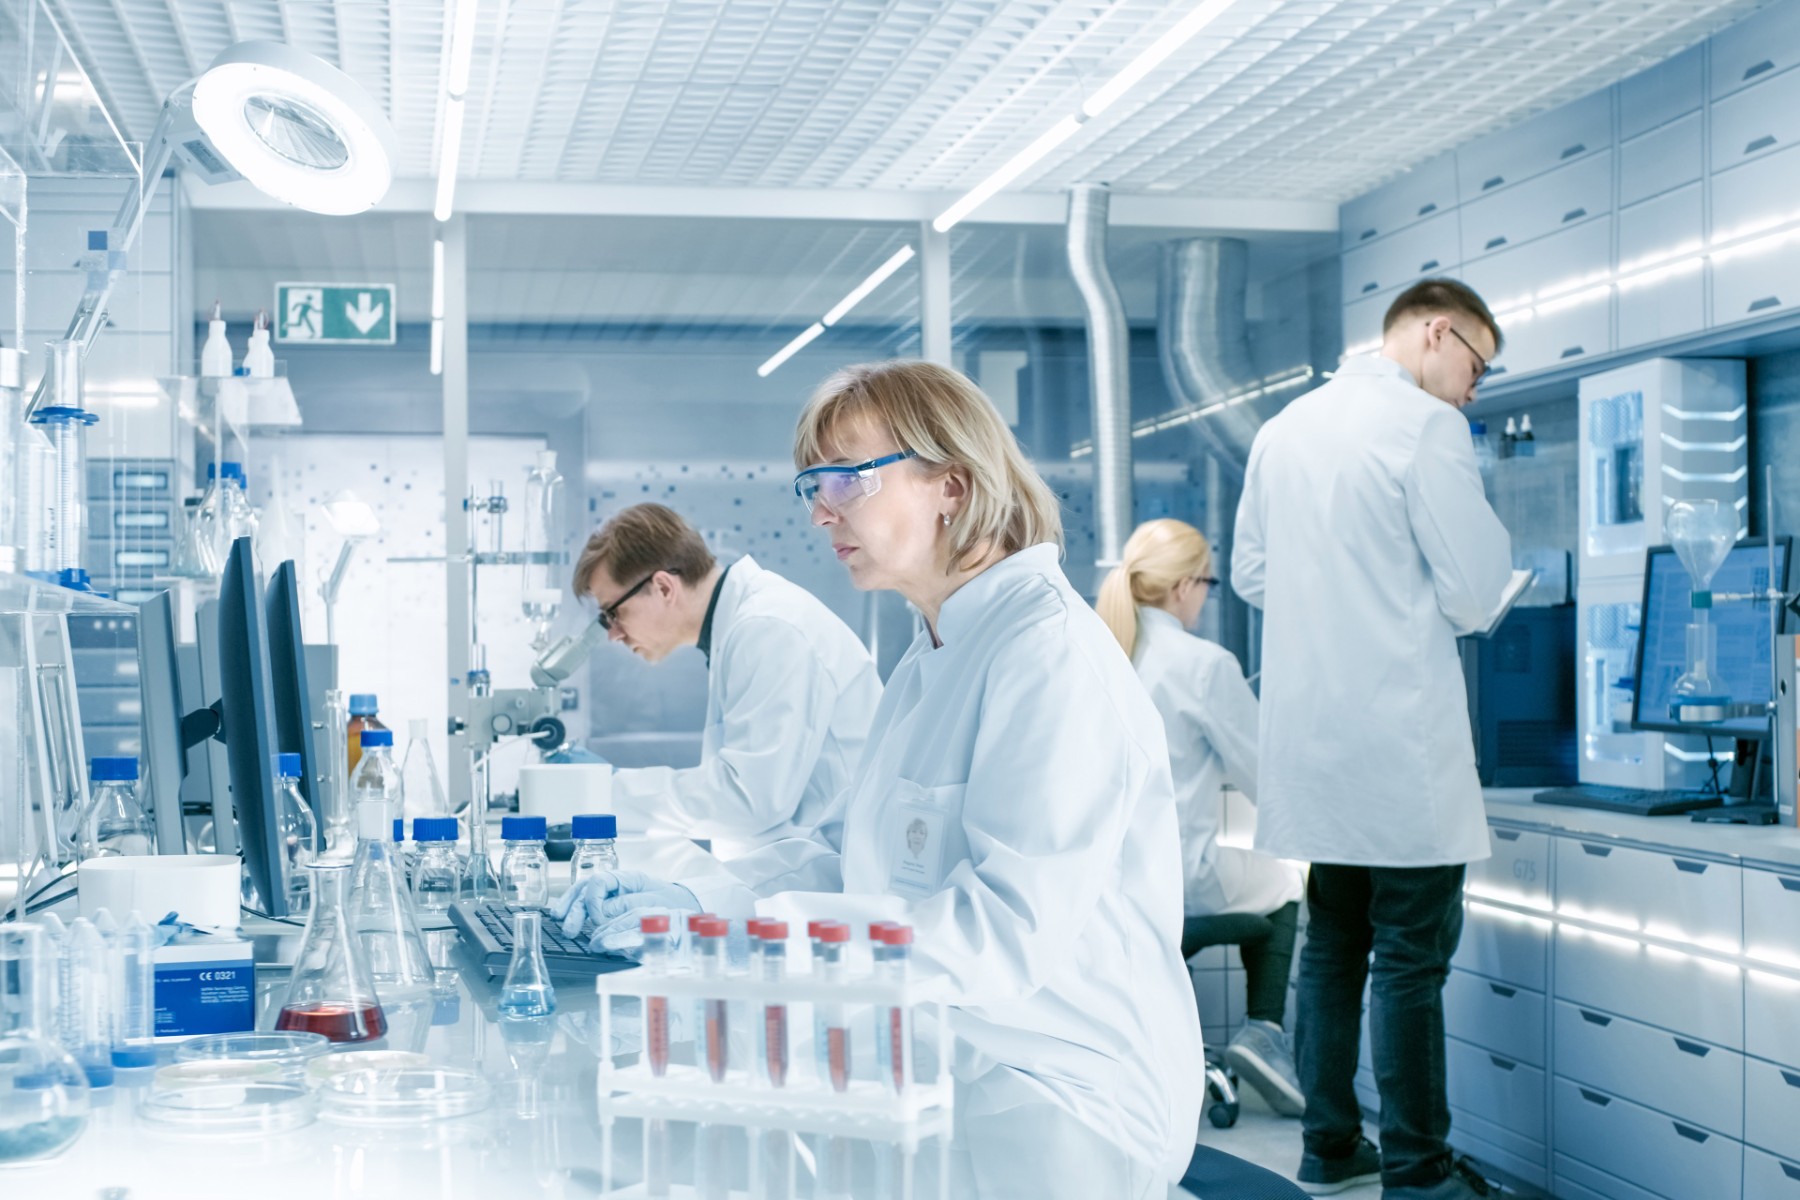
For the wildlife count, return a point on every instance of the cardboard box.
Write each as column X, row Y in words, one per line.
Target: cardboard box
column 205, row 987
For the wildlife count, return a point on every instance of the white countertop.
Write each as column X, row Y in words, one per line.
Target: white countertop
column 1772, row 847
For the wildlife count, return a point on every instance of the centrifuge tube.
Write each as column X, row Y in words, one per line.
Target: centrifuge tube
column 775, row 1012
column 898, row 939
column 710, row 953
column 831, row 1029
column 656, row 1008
column 878, row 948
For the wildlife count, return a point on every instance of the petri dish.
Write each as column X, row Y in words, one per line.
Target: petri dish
column 403, row 1095
column 321, row 1069
column 230, row 1109
column 213, row 1070
column 288, row 1051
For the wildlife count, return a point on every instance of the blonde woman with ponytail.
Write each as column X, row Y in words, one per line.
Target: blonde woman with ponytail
column 1210, row 715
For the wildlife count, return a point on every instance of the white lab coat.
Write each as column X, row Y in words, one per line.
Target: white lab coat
column 1209, row 717
column 1048, row 890
column 1366, row 539
column 790, row 694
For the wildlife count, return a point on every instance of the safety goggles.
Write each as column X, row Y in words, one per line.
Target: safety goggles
column 842, row 488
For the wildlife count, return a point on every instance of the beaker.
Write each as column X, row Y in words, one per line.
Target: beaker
column 381, row 910
column 43, row 1092
column 331, row 992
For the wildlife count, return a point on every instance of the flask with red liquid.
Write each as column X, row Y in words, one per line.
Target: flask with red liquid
column 331, row 992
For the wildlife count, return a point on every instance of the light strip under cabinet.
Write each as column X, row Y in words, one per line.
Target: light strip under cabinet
column 1621, row 933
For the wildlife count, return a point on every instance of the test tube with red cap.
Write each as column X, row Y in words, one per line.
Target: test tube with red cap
column 772, row 966
column 831, row 1029
column 878, row 1019
column 709, row 953
column 894, row 966
column 689, row 957
column 656, row 1008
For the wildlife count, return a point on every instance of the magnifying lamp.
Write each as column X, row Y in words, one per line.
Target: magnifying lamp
column 297, row 128
column 353, row 520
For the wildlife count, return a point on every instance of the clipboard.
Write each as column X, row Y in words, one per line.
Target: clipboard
column 1515, row 587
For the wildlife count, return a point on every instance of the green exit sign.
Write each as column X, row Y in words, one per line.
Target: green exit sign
column 334, row 314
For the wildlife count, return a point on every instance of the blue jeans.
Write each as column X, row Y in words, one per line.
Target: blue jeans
column 1409, row 919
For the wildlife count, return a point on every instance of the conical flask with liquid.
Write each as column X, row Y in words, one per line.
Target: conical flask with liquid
column 527, row 991
column 381, row 909
column 44, row 1099
column 331, row 991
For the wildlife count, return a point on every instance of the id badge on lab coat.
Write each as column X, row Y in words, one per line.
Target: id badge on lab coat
column 916, row 834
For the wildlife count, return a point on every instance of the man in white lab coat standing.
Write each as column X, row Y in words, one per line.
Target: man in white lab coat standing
column 1366, row 539
column 790, row 690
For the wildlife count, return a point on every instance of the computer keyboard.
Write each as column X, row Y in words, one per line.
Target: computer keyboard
column 487, row 926
column 1643, row 802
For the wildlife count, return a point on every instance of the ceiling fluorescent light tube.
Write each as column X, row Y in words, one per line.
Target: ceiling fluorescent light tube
column 462, row 47
column 437, row 346
column 1021, row 162
column 437, row 279
column 448, row 154
column 861, row 292
column 792, row 348
column 1179, row 35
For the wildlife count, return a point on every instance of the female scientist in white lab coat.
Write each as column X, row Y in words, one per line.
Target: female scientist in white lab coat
column 1149, row 602
column 1047, row 886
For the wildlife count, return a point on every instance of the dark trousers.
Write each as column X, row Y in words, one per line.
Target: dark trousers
column 1266, row 946
column 1409, row 919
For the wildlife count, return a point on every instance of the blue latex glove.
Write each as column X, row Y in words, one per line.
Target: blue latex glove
column 619, row 924
column 575, row 754
column 604, row 896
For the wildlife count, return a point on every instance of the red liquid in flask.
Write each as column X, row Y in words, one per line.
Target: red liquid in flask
column 837, row 1051
column 656, row 1021
column 338, row 1022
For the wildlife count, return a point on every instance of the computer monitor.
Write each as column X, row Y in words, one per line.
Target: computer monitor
column 165, row 751
column 247, row 708
column 289, row 682
column 1744, row 650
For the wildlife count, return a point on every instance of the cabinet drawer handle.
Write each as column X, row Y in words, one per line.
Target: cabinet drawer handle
column 1595, row 1098
column 1429, row 265
column 1504, row 992
column 1596, row 851
column 1594, row 1018
column 1691, row 1134
column 1502, row 1063
column 1790, row 883
column 1765, row 302
column 1495, row 182
column 1512, row 835
column 1495, row 243
column 1366, row 235
column 1760, row 68
column 1574, row 214
column 1790, row 1170
column 1791, row 1079
column 1577, row 148
column 1761, row 143
column 1370, row 287
column 1573, row 352
column 1693, row 1048
column 1690, row 866
column 1427, row 210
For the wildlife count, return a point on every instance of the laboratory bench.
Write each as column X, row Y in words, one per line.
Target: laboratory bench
column 1623, row 1010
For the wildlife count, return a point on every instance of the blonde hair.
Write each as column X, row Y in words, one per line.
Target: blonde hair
column 1158, row 556
column 951, row 425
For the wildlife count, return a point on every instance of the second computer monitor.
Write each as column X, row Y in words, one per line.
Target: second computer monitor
column 247, row 706
column 1742, row 666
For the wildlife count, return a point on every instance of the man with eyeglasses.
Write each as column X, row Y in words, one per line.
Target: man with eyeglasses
column 790, row 691
column 1367, row 540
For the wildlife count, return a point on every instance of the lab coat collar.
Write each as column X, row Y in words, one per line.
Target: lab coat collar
column 968, row 603
column 739, row 578
column 1150, row 615
column 1378, row 365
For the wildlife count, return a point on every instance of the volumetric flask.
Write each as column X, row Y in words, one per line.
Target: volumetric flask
column 331, row 992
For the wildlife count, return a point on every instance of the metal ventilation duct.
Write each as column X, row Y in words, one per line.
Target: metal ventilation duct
column 1204, row 346
column 1108, row 370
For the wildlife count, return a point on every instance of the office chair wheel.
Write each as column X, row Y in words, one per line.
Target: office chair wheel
column 1221, row 1098
column 1222, row 1114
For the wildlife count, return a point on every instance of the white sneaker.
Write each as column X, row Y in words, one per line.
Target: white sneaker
column 1260, row 1055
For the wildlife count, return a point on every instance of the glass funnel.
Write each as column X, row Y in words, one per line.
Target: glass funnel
column 331, row 992
column 43, row 1092
column 381, row 909
column 1702, row 532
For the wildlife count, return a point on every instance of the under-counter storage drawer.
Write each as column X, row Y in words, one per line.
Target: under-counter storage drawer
column 1501, row 1017
column 1662, row 893
column 1424, row 191
column 1772, row 1107
column 1702, row 998
column 1772, row 1016
column 1523, row 1157
column 1428, row 248
column 1576, row 192
column 1508, row 946
column 1518, row 870
column 1578, row 1181
column 1769, row 1178
column 1671, row 1158
column 1772, row 917
column 1495, row 1088
column 1655, row 1068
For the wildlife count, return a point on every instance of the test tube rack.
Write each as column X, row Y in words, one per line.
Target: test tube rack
column 926, row 1090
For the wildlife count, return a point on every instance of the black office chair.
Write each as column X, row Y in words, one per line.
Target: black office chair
column 1197, row 934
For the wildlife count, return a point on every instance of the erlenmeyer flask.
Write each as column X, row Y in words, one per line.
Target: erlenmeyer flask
column 527, row 991
column 331, row 992
column 381, row 910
